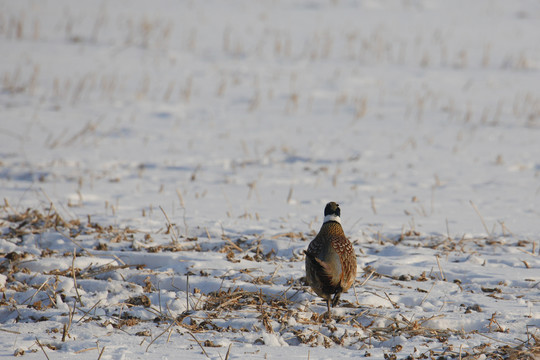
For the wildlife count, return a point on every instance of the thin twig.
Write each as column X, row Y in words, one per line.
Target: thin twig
column 187, row 291
column 157, row 337
column 498, row 340
column 440, row 268
column 64, row 332
column 7, row 205
column 86, row 313
column 356, row 295
column 396, row 306
column 41, row 346
column 171, row 227
column 367, row 279
column 425, row 297
column 207, row 233
column 481, row 218
column 289, row 197
column 170, row 332
column 159, row 296
column 75, row 278
column 274, row 273
column 180, row 198
column 51, row 299
column 72, row 240
column 38, row 290
column 85, row 350
column 119, row 260
column 228, row 352
column 232, row 244
column 70, row 319
column 101, row 353
column 204, row 351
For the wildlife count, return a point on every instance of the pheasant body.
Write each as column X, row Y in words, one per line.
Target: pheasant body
column 330, row 259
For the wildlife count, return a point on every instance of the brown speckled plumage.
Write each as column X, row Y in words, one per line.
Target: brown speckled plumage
column 330, row 259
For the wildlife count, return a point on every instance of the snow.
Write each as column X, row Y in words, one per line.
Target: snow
column 184, row 151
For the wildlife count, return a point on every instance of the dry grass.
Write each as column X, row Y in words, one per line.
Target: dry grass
column 271, row 313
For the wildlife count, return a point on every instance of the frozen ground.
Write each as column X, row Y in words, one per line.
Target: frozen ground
column 144, row 141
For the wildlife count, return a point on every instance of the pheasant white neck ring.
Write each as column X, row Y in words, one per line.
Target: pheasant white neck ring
column 332, row 217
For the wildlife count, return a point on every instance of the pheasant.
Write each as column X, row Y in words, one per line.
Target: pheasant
column 330, row 259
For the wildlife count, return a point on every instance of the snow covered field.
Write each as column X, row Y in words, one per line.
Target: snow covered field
column 163, row 164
